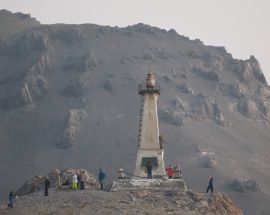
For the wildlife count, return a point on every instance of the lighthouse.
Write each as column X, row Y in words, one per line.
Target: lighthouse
column 149, row 146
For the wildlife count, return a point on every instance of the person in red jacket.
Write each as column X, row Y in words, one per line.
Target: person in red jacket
column 170, row 171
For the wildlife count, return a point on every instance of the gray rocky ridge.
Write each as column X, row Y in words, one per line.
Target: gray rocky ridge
column 68, row 97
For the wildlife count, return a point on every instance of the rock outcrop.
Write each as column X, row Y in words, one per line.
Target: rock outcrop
column 244, row 186
column 92, row 201
column 73, row 125
column 76, row 88
column 206, row 73
column 33, row 185
column 36, row 183
column 198, row 108
column 171, row 117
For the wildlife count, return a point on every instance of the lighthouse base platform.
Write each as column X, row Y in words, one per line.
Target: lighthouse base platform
column 148, row 184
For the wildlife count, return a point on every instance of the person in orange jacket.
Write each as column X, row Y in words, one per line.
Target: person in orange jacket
column 170, row 171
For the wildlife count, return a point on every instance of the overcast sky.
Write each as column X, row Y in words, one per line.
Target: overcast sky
column 242, row 26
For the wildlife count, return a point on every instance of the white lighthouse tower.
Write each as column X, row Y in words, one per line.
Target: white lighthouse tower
column 149, row 146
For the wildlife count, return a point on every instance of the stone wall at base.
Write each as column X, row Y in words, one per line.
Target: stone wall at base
column 151, row 184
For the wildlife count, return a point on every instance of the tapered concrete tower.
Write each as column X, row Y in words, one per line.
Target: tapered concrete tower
column 149, row 146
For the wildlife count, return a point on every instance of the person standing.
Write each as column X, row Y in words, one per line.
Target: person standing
column 82, row 180
column 101, row 178
column 58, row 181
column 210, row 184
column 177, row 171
column 74, row 184
column 79, row 180
column 149, row 168
column 11, row 197
column 46, row 185
column 170, row 171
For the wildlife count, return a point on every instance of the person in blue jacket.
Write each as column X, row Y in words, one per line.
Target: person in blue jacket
column 101, row 178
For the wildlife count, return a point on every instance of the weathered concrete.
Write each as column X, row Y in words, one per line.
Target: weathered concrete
column 149, row 147
column 149, row 184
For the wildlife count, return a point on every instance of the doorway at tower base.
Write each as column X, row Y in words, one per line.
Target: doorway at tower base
column 155, row 156
column 148, row 184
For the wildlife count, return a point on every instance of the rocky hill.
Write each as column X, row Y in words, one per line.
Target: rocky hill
column 68, row 97
column 12, row 23
column 92, row 200
column 135, row 202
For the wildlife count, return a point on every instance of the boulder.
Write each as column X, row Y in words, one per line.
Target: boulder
column 55, row 178
column 246, row 185
column 210, row 162
column 33, row 185
column 206, row 159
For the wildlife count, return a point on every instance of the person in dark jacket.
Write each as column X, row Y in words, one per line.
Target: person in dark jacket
column 82, row 180
column 79, row 180
column 11, row 197
column 149, row 168
column 101, row 178
column 47, row 185
column 210, row 185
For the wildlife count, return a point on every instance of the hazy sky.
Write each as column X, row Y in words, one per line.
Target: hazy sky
column 242, row 26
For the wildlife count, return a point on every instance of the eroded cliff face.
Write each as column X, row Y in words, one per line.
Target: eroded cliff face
column 68, row 96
